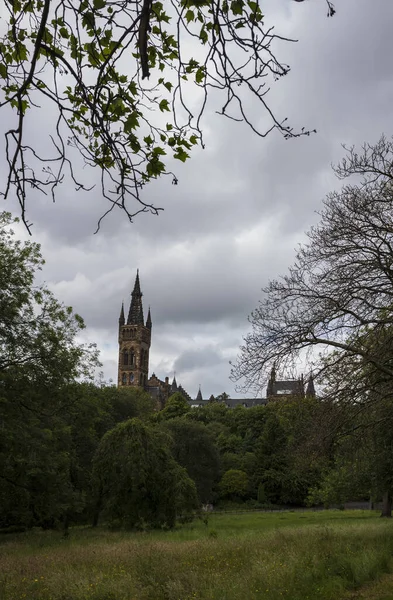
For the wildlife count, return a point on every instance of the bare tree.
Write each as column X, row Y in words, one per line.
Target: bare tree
column 87, row 64
column 339, row 293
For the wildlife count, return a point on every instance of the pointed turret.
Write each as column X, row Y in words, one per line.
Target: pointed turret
column 148, row 321
column 121, row 318
column 271, row 382
column 174, row 385
column 199, row 396
column 135, row 314
column 310, row 391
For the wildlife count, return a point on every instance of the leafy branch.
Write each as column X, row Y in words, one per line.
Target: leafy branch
column 127, row 84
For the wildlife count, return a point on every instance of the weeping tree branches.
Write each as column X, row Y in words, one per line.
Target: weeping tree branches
column 336, row 301
column 125, row 85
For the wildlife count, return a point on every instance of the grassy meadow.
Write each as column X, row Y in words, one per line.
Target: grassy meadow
column 274, row 556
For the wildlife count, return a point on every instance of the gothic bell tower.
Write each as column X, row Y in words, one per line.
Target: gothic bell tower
column 134, row 342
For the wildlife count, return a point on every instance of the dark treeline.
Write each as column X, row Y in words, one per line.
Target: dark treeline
column 76, row 452
column 83, row 452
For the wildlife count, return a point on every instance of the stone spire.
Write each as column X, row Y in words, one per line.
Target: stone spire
column 174, row 385
column 310, row 391
column 148, row 322
column 271, row 382
column 135, row 314
column 121, row 318
column 199, row 396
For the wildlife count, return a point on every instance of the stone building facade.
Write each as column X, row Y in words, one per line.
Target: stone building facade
column 292, row 388
column 134, row 349
column 134, row 342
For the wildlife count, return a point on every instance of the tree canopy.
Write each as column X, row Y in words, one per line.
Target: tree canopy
column 124, row 86
column 39, row 357
column 37, row 333
column 138, row 481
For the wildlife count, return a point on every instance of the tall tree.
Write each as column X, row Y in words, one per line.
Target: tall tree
column 37, row 333
column 335, row 302
column 341, row 286
column 137, row 479
column 39, row 356
column 116, row 82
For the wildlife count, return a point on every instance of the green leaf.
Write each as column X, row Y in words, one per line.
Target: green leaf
column 148, row 140
column 134, row 143
column 155, row 167
column 3, row 71
column 164, row 105
column 158, row 151
column 190, row 16
column 88, row 20
column 133, row 88
column 203, row 35
column 99, row 4
column 237, row 7
column 64, row 32
column 254, row 6
column 181, row 154
column 131, row 122
column 200, row 75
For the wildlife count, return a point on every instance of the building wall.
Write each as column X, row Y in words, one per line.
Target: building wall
column 134, row 346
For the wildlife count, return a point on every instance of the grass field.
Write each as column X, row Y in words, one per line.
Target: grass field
column 292, row 556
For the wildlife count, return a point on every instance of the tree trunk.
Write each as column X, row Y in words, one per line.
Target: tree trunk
column 386, row 505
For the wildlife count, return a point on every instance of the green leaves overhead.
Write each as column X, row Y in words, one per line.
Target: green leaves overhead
column 114, row 70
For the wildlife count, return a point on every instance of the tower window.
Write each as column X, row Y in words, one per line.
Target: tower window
column 141, row 379
column 131, row 377
column 125, row 357
column 132, row 357
column 124, row 379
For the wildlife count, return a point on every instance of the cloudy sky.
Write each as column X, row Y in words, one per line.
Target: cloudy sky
column 240, row 209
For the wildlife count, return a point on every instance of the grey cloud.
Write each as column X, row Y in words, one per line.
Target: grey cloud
column 193, row 359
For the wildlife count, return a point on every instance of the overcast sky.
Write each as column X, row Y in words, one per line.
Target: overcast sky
column 240, row 209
